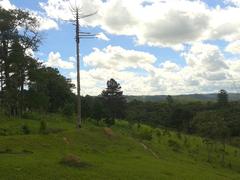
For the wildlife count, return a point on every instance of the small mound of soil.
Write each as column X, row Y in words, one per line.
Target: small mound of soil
column 74, row 161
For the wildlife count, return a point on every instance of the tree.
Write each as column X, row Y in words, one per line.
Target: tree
column 169, row 100
column 114, row 101
column 18, row 32
column 98, row 111
column 212, row 126
column 222, row 98
column 49, row 89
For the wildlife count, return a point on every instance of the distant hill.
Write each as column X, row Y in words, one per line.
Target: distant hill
column 186, row 98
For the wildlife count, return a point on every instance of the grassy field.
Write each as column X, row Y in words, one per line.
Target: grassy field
column 106, row 153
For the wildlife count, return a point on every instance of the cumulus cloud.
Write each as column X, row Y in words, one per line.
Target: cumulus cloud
column 233, row 47
column 6, row 4
column 165, row 23
column 206, row 71
column 102, row 36
column 54, row 60
column 46, row 23
column 116, row 57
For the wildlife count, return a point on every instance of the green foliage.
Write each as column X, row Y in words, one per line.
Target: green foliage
column 222, row 98
column 143, row 131
column 25, row 129
column 109, row 121
column 43, row 127
column 122, row 124
column 68, row 109
column 114, row 101
column 158, row 132
column 174, row 145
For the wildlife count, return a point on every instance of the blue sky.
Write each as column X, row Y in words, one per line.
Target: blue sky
column 149, row 46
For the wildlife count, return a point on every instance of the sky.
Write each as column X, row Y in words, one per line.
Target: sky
column 151, row 47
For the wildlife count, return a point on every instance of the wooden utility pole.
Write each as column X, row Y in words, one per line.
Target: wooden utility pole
column 78, row 71
column 79, row 35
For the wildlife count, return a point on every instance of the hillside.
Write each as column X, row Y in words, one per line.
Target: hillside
column 184, row 98
column 105, row 154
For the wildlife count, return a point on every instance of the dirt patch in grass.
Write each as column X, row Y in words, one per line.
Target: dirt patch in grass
column 108, row 132
column 72, row 160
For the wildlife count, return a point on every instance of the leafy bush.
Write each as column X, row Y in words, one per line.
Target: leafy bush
column 109, row 121
column 158, row 132
column 174, row 145
column 25, row 129
column 68, row 109
column 73, row 161
column 32, row 116
column 3, row 132
column 142, row 132
column 43, row 127
column 122, row 124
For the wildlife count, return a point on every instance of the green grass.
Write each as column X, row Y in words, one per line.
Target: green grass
column 121, row 156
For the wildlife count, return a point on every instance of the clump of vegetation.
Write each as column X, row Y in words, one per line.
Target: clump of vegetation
column 122, row 124
column 25, row 129
column 68, row 109
column 3, row 132
column 143, row 131
column 43, row 127
column 174, row 145
column 158, row 132
column 73, row 161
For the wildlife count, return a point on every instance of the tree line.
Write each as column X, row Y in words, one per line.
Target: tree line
column 25, row 83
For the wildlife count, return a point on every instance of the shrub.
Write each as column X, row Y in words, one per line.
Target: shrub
column 25, row 129
column 166, row 132
column 109, row 121
column 43, row 127
column 68, row 109
column 3, row 132
column 32, row 115
column 174, row 145
column 122, row 124
column 158, row 132
column 73, row 161
column 142, row 132
column 179, row 135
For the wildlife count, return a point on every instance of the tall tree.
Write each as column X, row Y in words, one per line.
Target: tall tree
column 114, row 101
column 222, row 98
column 18, row 32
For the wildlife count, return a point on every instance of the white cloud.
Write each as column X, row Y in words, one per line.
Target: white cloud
column 30, row 52
column 6, row 4
column 162, row 23
column 46, row 23
column 115, row 57
column 206, row 57
column 206, row 70
column 102, row 36
column 54, row 60
column 233, row 47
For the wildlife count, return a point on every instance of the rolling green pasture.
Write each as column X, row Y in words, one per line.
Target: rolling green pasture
column 107, row 153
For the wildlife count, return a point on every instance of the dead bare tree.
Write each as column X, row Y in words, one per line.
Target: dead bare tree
column 78, row 14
